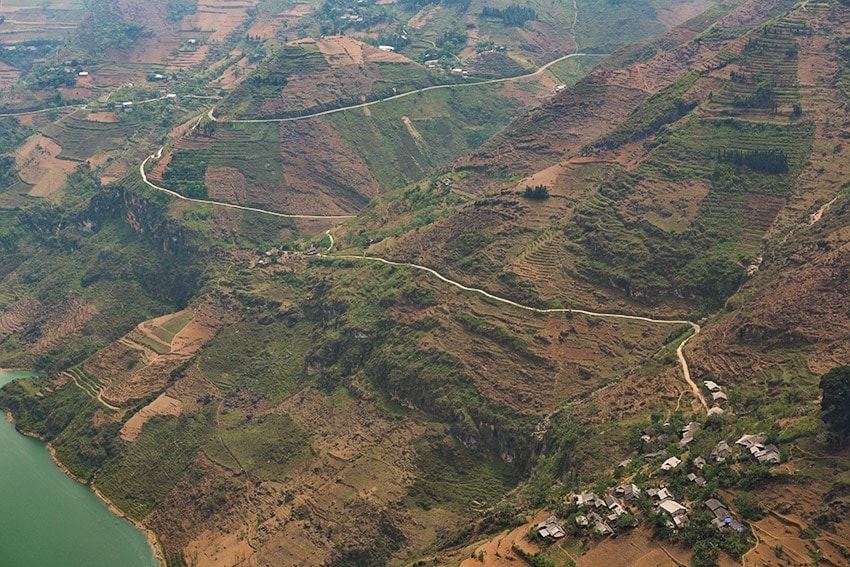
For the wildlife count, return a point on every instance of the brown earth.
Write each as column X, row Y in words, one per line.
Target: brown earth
column 499, row 551
column 324, row 172
column 140, row 363
column 63, row 321
column 636, row 548
column 226, row 184
column 8, row 76
column 220, row 17
column 162, row 405
column 107, row 117
column 39, row 166
column 18, row 315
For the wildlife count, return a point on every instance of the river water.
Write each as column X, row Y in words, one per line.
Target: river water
column 47, row 519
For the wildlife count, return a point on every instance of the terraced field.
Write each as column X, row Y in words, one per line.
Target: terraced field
column 252, row 150
column 768, row 59
column 543, row 259
column 81, row 138
column 17, row 316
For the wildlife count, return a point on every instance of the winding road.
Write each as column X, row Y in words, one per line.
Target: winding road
column 158, row 154
column 212, row 116
column 679, row 351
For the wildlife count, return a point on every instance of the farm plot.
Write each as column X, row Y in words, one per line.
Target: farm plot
column 251, row 151
column 81, row 138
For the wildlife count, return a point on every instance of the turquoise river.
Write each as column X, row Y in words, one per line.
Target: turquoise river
column 47, row 519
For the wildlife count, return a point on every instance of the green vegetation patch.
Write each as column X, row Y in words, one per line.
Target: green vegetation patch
column 267, row 445
column 265, row 357
column 454, row 476
column 251, row 149
column 271, row 76
column 140, row 475
column 701, row 262
column 441, row 126
column 664, row 107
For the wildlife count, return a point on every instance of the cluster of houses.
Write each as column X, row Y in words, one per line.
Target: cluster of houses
column 763, row 454
column 550, row 527
column 602, row 512
column 665, row 502
column 722, row 518
column 718, row 396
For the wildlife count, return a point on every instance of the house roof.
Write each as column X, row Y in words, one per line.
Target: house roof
column 749, row 440
column 711, row 386
column 672, row 507
column 721, row 451
column 671, row 463
column 713, row 503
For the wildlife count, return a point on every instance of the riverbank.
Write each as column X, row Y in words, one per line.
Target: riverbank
column 153, row 541
column 63, row 499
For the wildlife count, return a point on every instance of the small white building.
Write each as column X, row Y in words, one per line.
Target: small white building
column 83, row 73
column 389, row 48
column 671, row 463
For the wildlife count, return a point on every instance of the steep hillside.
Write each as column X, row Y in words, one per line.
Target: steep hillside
column 492, row 334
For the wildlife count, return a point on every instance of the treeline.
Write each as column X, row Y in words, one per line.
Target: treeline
column 764, row 97
column 513, row 15
column 538, row 192
column 768, row 161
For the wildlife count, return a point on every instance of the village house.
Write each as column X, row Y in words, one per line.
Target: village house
column 660, row 494
column 715, row 411
column 699, row 463
column 671, row 463
column 585, row 499
column 696, row 479
column 719, row 397
column 711, row 386
column 600, row 526
column 747, row 441
column 550, row 527
column 688, row 433
column 615, row 507
column 722, row 517
column 765, row 454
column 627, row 492
column 720, row 452
column 677, row 512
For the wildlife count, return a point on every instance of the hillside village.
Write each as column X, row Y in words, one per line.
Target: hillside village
column 672, row 486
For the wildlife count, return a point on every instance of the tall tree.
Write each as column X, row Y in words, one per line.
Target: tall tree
column 835, row 403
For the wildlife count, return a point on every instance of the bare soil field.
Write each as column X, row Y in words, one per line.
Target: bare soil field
column 226, row 184
column 266, row 27
column 63, row 322
column 323, row 171
column 678, row 13
column 636, row 548
column 162, row 405
column 39, row 166
column 668, row 205
column 499, row 552
column 219, row 17
column 8, row 76
column 106, row 117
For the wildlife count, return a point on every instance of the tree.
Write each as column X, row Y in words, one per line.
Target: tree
column 835, row 403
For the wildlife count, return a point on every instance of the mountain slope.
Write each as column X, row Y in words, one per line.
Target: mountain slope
column 305, row 405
